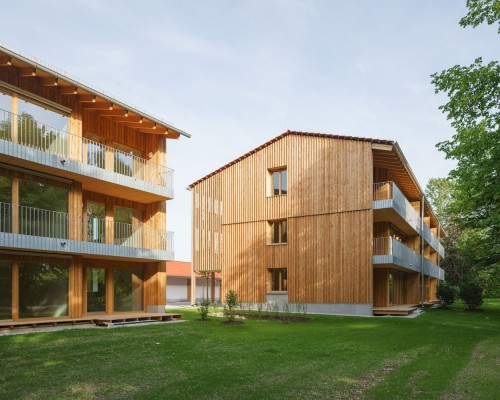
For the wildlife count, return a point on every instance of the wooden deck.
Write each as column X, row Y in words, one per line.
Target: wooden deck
column 399, row 309
column 99, row 320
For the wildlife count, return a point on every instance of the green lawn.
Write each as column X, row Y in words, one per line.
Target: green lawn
column 443, row 354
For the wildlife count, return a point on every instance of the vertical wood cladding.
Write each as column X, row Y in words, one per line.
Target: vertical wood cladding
column 328, row 210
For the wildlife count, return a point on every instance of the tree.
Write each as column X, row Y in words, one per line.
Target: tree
column 481, row 11
column 471, row 293
column 474, row 111
column 447, row 293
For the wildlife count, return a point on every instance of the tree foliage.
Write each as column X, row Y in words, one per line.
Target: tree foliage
column 468, row 202
column 471, row 293
column 481, row 11
column 447, row 293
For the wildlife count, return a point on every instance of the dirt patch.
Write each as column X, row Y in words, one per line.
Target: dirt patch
column 376, row 377
column 412, row 383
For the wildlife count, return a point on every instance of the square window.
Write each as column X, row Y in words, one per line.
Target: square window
column 278, row 182
column 278, row 231
column 278, row 279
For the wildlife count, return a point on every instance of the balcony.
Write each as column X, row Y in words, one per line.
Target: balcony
column 390, row 204
column 99, row 167
column 28, row 228
column 390, row 252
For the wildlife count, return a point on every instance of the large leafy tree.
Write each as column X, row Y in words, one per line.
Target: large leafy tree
column 474, row 112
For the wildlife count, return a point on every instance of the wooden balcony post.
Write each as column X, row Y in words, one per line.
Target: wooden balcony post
column 15, row 291
column 15, row 205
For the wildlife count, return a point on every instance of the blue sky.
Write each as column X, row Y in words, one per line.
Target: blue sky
column 235, row 74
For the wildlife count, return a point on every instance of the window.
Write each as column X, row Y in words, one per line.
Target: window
column 277, row 232
column 5, row 290
column 127, row 160
column 43, row 209
column 279, row 280
column 43, row 290
column 128, row 290
column 279, row 182
column 96, row 290
column 5, row 204
column 96, row 222
column 5, row 116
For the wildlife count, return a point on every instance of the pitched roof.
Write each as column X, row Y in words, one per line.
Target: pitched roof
column 18, row 59
column 287, row 133
column 182, row 269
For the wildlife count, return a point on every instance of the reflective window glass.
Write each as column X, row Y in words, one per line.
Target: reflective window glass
column 5, row 291
column 43, row 209
column 96, row 290
column 43, row 290
column 5, row 204
column 5, row 116
column 128, row 290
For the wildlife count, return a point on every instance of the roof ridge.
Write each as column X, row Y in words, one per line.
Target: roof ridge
column 279, row 137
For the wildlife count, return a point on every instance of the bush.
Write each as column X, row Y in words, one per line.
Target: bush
column 203, row 309
column 446, row 293
column 230, row 304
column 471, row 293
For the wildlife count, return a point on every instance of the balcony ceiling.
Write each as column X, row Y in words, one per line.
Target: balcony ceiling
column 391, row 158
column 90, row 98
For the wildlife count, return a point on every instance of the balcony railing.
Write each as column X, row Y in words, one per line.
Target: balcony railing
column 387, row 250
column 59, row 225
column 388, row 195
column 25, row 130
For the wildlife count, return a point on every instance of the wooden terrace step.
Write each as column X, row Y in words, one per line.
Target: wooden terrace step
column 399, row 309
column 99, row 320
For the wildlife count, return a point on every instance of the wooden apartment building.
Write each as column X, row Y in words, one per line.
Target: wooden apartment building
column 338, row 223
column 83, row 190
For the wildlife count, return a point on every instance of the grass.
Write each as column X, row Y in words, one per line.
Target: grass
column 443, row 354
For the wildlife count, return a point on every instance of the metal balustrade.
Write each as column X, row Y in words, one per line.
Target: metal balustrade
column 5, row 217
column 388, row 195
column 387, row 250
column 26, row 131
column 59, row 225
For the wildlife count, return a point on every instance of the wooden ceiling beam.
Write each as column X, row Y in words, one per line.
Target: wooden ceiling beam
column 144, row 124
column 27, row 72
column 98, row 106
column 159, row 130
column 68, row 90
column 5, row 60
column 113, row 113
column 130, row 118
column 87, row 98
column 49, row 82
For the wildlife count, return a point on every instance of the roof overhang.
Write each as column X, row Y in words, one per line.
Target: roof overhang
column 89, row 96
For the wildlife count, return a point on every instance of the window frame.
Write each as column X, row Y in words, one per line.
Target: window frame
column 282, row 189
column 282, row 280
column 282, row 232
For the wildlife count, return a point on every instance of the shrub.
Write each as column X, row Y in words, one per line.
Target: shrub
column 230, row 304
column 203, row 309
column 446, row 293
column 471, row 293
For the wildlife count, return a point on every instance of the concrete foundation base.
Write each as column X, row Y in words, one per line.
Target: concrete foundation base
column 279, row 301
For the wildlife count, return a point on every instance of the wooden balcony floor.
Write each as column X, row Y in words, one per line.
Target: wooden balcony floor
column 99, row 320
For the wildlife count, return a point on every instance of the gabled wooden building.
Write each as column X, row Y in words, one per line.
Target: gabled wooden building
column 335, row 222
column 83, row 189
